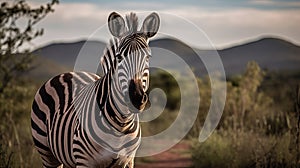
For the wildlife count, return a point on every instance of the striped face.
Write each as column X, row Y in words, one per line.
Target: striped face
column 133, row 57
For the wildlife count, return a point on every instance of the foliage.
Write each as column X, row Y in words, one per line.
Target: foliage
column 15, row 129
column 227, row 148
column 281, row 87
column 159, row 124
column 5, row 161
column 295, row 128
column 246, row 107
column 205, row 102
column 213, row 153
column 166, row 82
column 253, row 132
column 17, row 28
column 18, row 22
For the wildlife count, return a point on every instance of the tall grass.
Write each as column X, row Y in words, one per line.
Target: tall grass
column 254, row 131
column 244, row 149
column 16, row 145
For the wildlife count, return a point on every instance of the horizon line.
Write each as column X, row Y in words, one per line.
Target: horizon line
column 223, row 47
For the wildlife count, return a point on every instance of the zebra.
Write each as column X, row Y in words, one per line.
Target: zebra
column 79, row 119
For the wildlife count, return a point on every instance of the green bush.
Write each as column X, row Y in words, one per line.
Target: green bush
column 243, row 149
column 165, row 81
column 254, row 131
column 15, row 127
column 212, row 153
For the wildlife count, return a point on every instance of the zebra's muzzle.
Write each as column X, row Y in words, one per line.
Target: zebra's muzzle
column 138, row 98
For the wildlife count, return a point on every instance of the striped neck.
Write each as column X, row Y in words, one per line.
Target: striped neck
column 113, row 105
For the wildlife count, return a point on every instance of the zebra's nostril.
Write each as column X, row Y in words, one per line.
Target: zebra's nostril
column 145, row 98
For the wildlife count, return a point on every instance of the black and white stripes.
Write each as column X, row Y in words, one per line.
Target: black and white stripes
column 81, row 120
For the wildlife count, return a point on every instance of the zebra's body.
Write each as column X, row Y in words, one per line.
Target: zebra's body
column 64, row 88
column 81, row 120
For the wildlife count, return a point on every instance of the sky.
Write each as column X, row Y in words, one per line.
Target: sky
column 223, row 23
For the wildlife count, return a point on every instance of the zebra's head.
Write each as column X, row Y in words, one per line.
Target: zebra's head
column 132, row 56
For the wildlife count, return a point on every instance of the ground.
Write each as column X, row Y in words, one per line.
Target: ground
column 177, row 156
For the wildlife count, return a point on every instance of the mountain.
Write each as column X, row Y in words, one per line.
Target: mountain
column 45, row 68
column 66, row 53
column 270, row 53
column 273, row 54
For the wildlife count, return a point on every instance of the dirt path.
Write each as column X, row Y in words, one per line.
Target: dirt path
column 178, row 156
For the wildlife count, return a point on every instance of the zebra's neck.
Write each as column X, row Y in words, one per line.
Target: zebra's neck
column 101, row 120
column 109, row 64
column 113, row 105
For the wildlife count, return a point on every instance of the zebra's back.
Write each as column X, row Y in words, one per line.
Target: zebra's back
column 53, row 117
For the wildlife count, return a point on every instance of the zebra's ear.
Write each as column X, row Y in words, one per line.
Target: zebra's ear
column 151, row 25
column 116, row 24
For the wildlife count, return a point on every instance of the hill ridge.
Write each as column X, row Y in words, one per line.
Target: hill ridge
column 271, row 53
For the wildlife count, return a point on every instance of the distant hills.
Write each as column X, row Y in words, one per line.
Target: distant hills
column 271, row 54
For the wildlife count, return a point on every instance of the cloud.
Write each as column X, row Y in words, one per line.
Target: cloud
column 73, row 21
column 230, row 26
column 274, row 3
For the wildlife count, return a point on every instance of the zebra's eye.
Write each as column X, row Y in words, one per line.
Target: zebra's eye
column 148, row 58
column 119, row 57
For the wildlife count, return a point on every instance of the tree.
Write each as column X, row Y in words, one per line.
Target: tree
column 13, row 36
column 18, row 22
column 246, row 105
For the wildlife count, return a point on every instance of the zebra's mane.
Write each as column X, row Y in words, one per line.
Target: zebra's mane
column 132, row 23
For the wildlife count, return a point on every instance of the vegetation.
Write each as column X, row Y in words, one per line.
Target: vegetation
column 16, row 147
column 13, row 36
column 255, row 131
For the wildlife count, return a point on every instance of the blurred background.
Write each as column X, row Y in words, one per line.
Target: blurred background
column 258, row 42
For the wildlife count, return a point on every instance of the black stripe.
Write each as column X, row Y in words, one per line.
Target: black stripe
column 65, row 149
column 112, row 162
column 49, row 166
column 60, row 90
column 39, row 144
column 86, row 139
column 98, row 89
column 108, row 60
column 83, row 149
column 51, row 139
column 70, row 129
column 57, row 134
column 81, row 164
column 40, row 114
column 79, row 157
column 112, row 114
column 48, row 100
column 38, row 129
column 68, row 79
